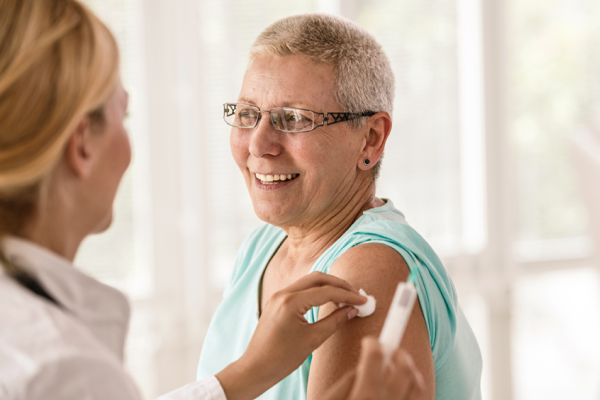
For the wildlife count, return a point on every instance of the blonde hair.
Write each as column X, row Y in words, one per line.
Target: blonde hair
column 364, row 77
column 58, row 63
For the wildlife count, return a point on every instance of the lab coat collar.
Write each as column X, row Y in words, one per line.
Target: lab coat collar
column 101, row 308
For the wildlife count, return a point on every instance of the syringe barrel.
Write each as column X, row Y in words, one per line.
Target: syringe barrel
column 397, row 318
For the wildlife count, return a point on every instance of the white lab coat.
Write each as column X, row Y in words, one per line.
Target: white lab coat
column 71, row 352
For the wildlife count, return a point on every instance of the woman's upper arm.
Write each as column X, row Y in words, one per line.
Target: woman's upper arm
column 377, row 269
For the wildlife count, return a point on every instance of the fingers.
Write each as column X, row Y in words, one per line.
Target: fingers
column 327, row 326
column 341, row 389
column 418, row 392
column 317, row 296
column 404, row 381
column 302, row 301
column 315, row 279
column 368, row 375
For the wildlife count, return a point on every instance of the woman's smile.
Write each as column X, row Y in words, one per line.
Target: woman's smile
column 273, row 181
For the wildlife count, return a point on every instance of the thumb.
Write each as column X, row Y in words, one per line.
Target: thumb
column 329, row 325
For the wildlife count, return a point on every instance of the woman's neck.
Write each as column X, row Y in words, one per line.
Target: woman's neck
column 56, row 230
column 55, row 240
column 306, row 243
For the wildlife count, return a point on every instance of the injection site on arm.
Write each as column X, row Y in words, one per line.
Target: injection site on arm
column 364, row 310
column 397, row 316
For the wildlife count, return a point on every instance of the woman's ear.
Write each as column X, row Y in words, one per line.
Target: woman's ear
column 78, row 152
column 379, row 128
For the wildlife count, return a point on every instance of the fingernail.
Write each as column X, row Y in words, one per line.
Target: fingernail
column 353, row 313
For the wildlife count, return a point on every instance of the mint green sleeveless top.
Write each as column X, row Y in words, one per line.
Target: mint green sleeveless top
column 456, row 355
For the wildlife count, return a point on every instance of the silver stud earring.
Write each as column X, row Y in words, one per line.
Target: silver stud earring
column 367, row 161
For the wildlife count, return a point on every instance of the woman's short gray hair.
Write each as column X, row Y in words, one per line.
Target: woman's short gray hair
column 364, row 77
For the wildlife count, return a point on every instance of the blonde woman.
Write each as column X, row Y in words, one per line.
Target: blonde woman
column 63, row 152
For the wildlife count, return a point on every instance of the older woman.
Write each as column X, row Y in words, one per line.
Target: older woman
column 309, row 130
column 63, row 152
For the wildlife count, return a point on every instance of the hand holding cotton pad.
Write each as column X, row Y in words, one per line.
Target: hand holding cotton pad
column 366, row 309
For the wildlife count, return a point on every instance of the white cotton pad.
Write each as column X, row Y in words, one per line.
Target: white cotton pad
column 366, row 309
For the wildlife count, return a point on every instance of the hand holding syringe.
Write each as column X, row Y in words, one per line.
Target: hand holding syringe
column 397, row 317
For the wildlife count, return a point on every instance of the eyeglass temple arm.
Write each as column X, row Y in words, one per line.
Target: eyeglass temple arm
column 341, row 117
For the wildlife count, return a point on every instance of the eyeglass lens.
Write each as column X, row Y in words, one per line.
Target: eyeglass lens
column 283, row 118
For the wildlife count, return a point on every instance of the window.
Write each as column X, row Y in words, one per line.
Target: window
column 554, row 97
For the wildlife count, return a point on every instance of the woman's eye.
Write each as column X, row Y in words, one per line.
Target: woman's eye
column 247, row 114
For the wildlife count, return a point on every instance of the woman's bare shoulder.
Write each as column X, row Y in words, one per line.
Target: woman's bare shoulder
column 371, row 263
column 376, row 268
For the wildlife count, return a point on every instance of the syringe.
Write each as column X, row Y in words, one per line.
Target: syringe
column 397, row 318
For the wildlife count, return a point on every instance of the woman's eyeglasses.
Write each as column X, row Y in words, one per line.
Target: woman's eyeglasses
column 285, row 119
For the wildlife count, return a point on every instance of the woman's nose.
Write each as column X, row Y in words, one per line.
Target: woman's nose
column 265, row 139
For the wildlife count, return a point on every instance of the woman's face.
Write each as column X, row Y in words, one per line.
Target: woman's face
column 324, row 161
column 113, row 157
